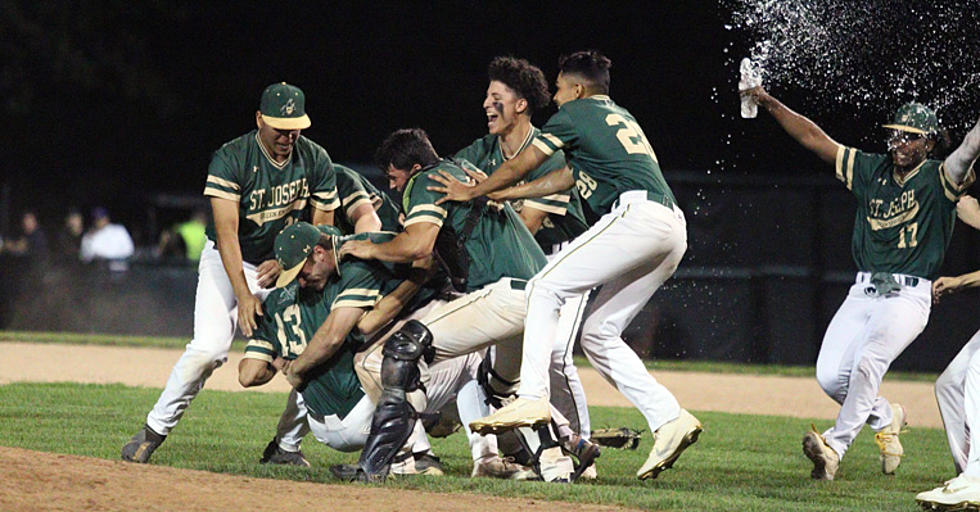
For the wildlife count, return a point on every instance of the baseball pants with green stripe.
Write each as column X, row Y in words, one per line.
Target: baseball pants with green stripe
column 631, row 251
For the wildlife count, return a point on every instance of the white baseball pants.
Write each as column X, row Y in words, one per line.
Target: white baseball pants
column 867, row 333
column 958, row 394
column 631, row 251
column 215, row 321
column 567, row 392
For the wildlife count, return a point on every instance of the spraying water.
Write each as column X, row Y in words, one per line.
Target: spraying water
column 873, row 55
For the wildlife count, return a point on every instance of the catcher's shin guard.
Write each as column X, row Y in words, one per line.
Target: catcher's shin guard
column 496, row 388
column 394, row 418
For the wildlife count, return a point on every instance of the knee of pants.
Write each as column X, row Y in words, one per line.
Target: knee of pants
column 870, row 369
column 205, row 357
column 829, row 380
column 596, row 333
column 946, row 385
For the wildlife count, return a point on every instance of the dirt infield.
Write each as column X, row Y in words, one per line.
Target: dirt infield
column 41, row 481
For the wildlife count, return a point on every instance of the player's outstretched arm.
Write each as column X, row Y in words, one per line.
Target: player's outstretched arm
column 325, row 343
column 801, row 128
column 225, row 213
column 391, row 304
column 511, row 172
column 365, row 219
column 416, row 242
column 554, row 182
column 254, row 372
column 959, row 162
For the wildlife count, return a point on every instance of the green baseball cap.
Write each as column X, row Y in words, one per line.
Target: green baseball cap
column 915, row 118
column 283, row 106
column 293, row 246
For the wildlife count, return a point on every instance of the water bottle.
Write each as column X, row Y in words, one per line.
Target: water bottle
column 748, row 78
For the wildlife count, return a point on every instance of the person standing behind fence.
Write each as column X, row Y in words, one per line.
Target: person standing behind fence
column 106, row 241
column 32, row 242
column 68, row 241
column 257, row 184
column 904, row 221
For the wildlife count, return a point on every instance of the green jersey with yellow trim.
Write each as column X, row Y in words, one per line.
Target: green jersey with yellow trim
column 354, row 190
column 292, row 315
column 270, row 195
column 904, row 224
column 499, row 245
column 565, row 220
column 606, row 150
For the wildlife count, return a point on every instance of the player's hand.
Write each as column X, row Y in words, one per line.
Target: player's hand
column 268, row 272
column 453, row 189
column 945, row 286
column 292, row 377
column 476, row 175
column 249, row 306
column 362, row 249
column 968, row 202
column 758, row 93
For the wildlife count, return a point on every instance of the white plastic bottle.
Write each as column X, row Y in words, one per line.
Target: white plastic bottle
column 748, row 78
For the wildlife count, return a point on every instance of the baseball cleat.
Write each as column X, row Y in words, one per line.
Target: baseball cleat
column 503, row 468
column 669, row 441
column 960, row 493
column 142, row 445
column 522, row 412
column 825, row 459
column 889, row 446
column 427, row 464
column 584, row 451
column 273, row 454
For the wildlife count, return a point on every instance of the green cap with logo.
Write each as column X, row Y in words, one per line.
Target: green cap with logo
column 283, row 106
column 915, row 118
column 294, row 244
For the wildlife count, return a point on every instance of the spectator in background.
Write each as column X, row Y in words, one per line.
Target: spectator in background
column 184, row 240
column 69, row 240
column 106, row 241
column 32, row 242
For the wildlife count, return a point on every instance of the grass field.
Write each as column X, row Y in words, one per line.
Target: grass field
column 740, row 463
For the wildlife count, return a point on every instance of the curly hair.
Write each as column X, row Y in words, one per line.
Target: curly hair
column 523, row 78
column 591, row 65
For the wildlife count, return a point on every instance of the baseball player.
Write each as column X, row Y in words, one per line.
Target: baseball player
column 257, row 184
column 488, row 254
column 903, row 224
column 363, row 208
column 958, row 390
column 330, row 312
column 336, row 297
column 516, row 90
column 632, row 249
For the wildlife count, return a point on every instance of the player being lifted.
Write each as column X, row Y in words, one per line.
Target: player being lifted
column 631, row 250
column 258, row 184
column 517, row 89
column 903, row 224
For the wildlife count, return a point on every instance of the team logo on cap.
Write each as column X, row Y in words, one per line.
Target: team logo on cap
column 288, row 108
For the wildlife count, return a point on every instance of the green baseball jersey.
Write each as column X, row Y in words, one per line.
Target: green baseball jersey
column 291, row 316
column 354, row 190
column 565, row 220
column 499, row 245
column 270, row 195
column 904, row 224
column 606, row 150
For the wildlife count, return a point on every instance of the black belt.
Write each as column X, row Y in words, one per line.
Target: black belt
column 518, row 284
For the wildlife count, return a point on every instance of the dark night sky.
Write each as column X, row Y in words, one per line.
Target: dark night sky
column 113, row 101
